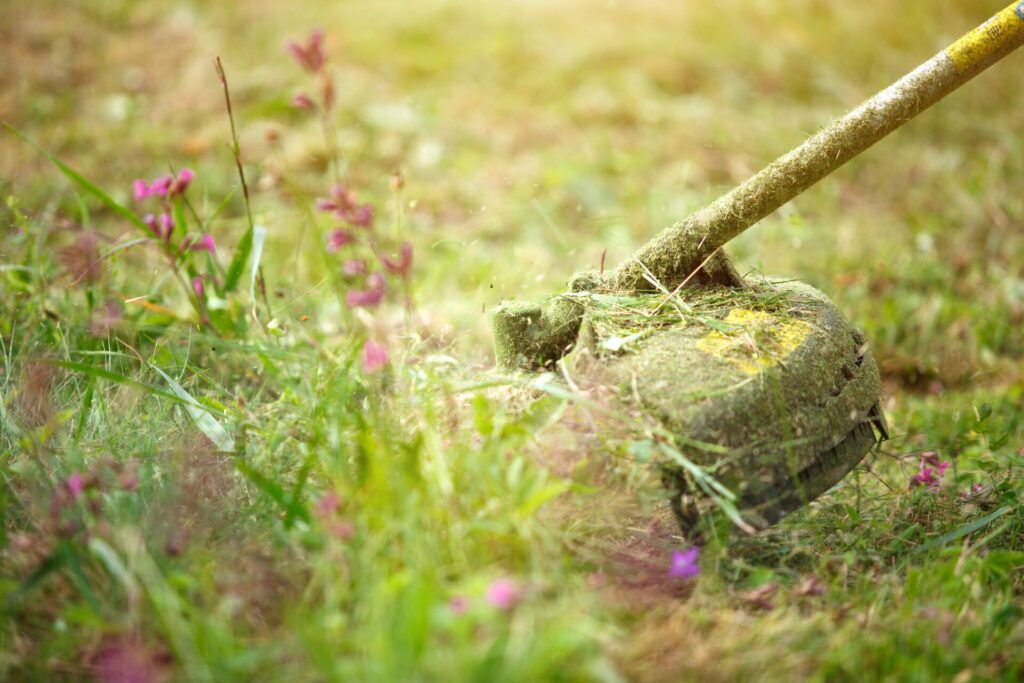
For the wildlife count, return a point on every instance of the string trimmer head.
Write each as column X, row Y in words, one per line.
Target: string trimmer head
column 768, row 395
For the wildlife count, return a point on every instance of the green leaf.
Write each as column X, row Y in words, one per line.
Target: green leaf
column 238, row 261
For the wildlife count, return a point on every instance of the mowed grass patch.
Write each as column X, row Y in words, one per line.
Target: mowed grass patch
column 396, row 519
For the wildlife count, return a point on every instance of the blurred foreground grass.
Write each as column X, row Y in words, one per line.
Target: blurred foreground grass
column 365, row 519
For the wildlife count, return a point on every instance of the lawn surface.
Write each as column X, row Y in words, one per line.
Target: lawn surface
column 247, row 459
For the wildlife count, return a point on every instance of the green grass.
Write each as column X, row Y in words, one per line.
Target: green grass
column 357, row 523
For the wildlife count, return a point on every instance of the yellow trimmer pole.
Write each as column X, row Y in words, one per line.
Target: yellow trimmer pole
column 676, row 253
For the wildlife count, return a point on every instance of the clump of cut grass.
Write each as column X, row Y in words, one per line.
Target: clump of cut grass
column 615, row 321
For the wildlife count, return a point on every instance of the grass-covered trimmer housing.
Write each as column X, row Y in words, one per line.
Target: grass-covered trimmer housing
column 763, row 385
column 768, row 387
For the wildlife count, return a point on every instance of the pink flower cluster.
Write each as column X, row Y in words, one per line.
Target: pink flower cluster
column 684, row 563
column 164, row 186
column 343, row 205
column 310, row 55
column 167, row 189
column 312, row 58
column 375, row 357
column 930, row 471
column 355, row 216
column 503, row 594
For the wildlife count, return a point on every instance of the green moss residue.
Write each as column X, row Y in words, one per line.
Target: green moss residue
column 530, row 336
column 755, row 384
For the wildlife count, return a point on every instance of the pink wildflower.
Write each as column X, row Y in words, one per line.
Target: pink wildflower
column 342, row 201
column 929, row 476
column 125, row 660
column 354, row 267
column 338, row 239
column 303, row 101
column 504, row 593
column 185, row 178
column 310, row 56
column 76, row 484
column 399, row 266
column 204, row 243
column 369, row 297
column 328, row 504
column 166, row 225
column 684, row 564
column 161, row 186
column 140, row 189
column 375, row 356
column 197, row 287
column 458, row 604
column 361, row 216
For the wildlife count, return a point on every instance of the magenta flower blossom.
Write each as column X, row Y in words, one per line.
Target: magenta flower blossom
column 399, row 266
column 458, row 604
column 684, row 564
column 504, row 593
column 369, row 297
column 338, row 239
column 310, row 56
column 975, row 490
column 303, row 101
column 125, row 660
column 140, row 189
column 341, row 201
column 203, row 243
column 929, row 476
column 161, row 226
column 76, row 484
column 328, row 504
column 197, row 287
column 361, row 216
column 354, row 267
column 375, row 356
column 166, row 225
column 161, row 186
column 185, row 178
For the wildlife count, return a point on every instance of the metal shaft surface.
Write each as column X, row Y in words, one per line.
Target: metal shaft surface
column 677, row 252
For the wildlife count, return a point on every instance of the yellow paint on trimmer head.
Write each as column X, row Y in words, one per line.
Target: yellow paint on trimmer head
column 758, row 342
column 974, row 47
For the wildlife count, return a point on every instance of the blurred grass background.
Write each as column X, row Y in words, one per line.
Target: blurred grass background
column 533, row 136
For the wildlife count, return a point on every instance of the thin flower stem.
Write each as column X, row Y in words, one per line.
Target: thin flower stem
column 331, row 141
column 236, row 149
